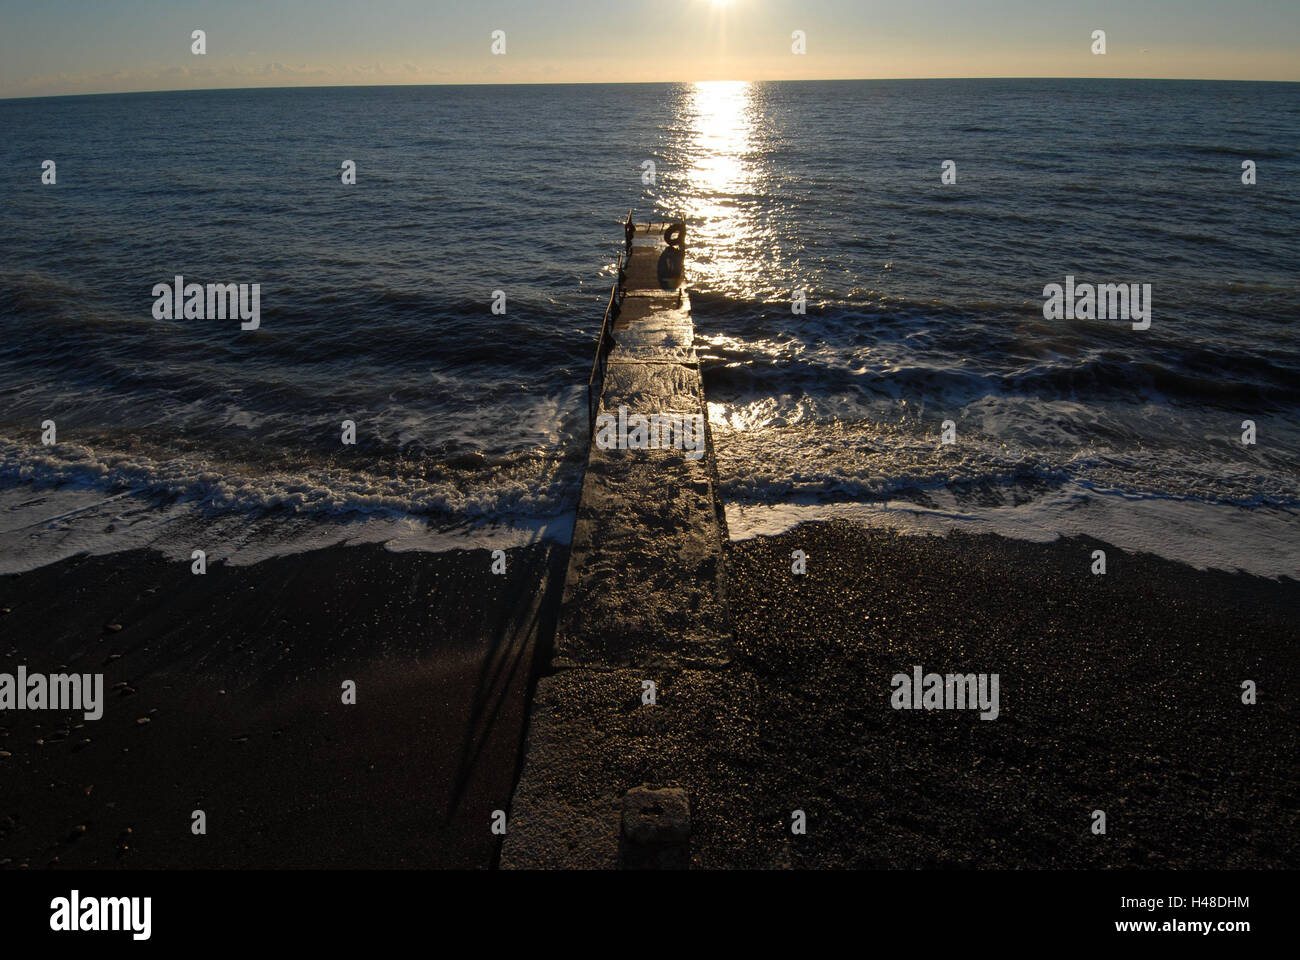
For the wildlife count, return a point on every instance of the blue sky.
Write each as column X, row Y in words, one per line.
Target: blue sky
column 58, row 46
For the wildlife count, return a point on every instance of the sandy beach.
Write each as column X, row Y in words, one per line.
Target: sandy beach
column 225, row 694
column 1119, row 692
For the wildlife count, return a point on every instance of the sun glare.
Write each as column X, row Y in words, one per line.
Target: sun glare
column 718, row 130
column 722, row 128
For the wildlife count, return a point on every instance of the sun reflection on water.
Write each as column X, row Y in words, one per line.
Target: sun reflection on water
column 718, row 140
column 720, row 115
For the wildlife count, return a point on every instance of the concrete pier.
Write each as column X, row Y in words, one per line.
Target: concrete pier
column 646, row 584
column 644, row 611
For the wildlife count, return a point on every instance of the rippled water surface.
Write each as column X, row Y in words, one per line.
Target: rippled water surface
column 924, row 304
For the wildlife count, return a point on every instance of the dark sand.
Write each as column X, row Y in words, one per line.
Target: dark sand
column 441, row 652
column 1119, row 692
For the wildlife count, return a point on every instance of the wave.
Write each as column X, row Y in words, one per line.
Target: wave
column 853, row 462
column 959, row 351
column 461, row 488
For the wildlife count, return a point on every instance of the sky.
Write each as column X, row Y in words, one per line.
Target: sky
column 57, row 47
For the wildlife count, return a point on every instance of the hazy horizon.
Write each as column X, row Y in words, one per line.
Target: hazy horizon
column 599, row 83
column 128, row 46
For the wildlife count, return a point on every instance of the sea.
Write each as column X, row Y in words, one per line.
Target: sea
column 867, row 263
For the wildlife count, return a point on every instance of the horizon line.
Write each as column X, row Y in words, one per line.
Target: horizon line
column 598, row 83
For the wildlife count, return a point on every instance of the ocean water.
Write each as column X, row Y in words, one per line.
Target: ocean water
column 924, row 303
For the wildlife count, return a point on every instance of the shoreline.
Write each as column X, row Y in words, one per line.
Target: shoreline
column 77, row 520
column 1258, row 541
